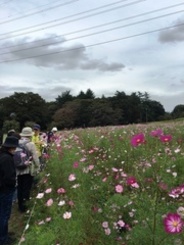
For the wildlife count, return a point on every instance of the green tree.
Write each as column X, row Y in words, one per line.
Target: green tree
column 63, row 98
column 27, row 107
column 178, row 111
column 102, row 114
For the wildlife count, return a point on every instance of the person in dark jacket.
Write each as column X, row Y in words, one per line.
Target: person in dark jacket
column 7, row 186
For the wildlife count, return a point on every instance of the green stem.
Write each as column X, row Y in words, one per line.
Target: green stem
column 154, row 219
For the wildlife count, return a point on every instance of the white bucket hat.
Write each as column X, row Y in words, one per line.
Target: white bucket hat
column 27, row 131
column 54, row 129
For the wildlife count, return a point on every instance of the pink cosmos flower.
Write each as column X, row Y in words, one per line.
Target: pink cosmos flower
column 176, row 192
column 138, row 140
column 156, row 133
column 105, row 224
column 72, row 177
column 104, row 179
column 107, row 231
column 115, row 169
column 91, row 167
column 121, row 223
column 132, row 182
column 61, row 191
column 49, row 190
column 119, row 188
column 165, row 138
column 71, row 203
column 163, row 186
column 49, row 202
column 75, row 165
column 46, row 156
column 173, row 223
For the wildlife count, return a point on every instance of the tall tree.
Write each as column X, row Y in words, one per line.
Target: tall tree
column 26, row 106
column 63, row 98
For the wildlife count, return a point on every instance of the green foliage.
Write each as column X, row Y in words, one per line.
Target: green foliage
column 11, row 124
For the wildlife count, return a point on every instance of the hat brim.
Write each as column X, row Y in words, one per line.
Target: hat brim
column 26, row 135
column 10, row 145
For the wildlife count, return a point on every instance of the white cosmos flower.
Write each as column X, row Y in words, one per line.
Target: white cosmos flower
column 40, row 195
column 61, row 203
column 67, row 215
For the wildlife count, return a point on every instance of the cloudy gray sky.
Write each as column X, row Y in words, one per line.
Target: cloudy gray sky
column 50, row 46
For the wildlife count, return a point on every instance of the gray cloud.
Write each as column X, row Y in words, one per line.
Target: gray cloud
column 173, row 35
column 64, row 57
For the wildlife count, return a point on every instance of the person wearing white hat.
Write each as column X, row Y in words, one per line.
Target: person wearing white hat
column 25, row 177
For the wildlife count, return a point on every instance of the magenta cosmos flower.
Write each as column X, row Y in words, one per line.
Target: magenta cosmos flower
column 156, row 133
column 138, row 139
column 131, row 180
column 165, row 138
column 173, row 223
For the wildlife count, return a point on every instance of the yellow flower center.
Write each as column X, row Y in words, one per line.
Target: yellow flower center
column 175, row 223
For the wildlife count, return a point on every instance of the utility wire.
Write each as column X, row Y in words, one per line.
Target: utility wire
column 37, row 12
column 95, row 44
column 96, row 33
column 31, row 9
column 87, row 16
column 94, row 27
column 5, row 3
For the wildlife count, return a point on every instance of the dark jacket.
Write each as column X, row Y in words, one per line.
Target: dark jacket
column 7, row 171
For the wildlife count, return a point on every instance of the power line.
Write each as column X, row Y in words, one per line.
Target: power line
column 32, row 8
column 5, row 3
column 37, row 12
column 22, row 29
column 93, row 45
column 93, row 27
column 99, row 32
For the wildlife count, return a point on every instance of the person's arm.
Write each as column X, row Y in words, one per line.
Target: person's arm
column 34, row 155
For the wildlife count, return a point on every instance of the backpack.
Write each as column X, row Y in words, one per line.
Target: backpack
column 22, row 157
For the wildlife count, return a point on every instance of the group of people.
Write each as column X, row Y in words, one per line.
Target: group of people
column 20, row 180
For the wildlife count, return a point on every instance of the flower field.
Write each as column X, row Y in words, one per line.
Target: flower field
column 111, row 186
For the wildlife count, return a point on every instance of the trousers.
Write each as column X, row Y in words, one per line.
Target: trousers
column 6, row 199
column 25, row 182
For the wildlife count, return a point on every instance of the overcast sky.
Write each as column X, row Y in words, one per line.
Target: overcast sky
column 51, row 46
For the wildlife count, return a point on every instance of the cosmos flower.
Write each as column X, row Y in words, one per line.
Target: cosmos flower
column 67, row 215
column 138, row 140
column 61, row 191
column 173, row 223
column 49, row 202
column 72, row 177
column 165, row 138
column 40, row 195
column 105, row 224
column 49, row 190
column 75, row 165
column 156, row 133
column 119, row 188
column 132, row 182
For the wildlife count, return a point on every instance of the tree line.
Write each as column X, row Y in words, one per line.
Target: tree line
column 84, row 110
